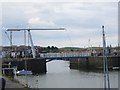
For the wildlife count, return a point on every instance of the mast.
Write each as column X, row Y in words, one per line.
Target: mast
column 105, row 63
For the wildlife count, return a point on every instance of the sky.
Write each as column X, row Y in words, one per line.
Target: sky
column 82, row 22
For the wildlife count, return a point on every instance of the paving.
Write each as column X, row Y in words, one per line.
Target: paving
column 11, row 84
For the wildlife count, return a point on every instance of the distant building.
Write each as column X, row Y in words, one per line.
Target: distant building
column 18, row 51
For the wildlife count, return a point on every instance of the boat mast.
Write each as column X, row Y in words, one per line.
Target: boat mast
column 105, row 62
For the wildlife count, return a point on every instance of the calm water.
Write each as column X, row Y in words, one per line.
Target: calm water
column 60, row 76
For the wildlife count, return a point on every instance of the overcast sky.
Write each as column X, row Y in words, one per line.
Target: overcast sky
column 82, row 20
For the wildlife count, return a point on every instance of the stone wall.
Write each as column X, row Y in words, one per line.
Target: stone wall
column 93, row 63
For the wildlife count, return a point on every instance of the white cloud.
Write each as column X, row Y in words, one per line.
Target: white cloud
column 83, row 20
column 59, row 1
column 0, row 25
column 37, row 22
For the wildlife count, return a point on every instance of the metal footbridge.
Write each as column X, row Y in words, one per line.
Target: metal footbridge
column 62, row 56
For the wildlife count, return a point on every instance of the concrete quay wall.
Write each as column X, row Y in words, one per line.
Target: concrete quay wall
column 37, row 65
column 94, row 63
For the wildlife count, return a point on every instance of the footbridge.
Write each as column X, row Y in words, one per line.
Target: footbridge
column 64, row 55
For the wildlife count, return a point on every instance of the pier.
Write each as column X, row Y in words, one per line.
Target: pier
column 38, row 65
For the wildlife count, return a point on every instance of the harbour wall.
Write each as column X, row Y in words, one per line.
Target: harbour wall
column 37, row 65
column 92, row 63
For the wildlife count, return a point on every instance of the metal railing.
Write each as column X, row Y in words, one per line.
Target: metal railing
column 64, row 54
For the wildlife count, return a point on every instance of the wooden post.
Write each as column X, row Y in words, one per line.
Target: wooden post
column 87, row 63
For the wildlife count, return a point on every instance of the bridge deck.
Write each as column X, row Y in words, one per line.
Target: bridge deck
column 70, row 57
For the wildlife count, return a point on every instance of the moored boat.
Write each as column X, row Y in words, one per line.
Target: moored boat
column 24, row 72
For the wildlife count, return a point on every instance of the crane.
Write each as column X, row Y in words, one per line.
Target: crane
column 30, row 36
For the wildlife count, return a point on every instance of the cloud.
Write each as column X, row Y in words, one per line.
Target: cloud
column 36, row 1
column 83, row 21
column 0, row 25
column 37, row 22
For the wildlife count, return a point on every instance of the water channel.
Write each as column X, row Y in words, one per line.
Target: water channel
column 59, row 75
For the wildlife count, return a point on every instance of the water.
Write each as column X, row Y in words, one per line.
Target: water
column 60, row 76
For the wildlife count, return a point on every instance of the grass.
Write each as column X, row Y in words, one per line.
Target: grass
column 12, row 79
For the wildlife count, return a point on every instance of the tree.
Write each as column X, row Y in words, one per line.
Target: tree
column 48, row 47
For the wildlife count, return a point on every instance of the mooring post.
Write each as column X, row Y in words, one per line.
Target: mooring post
column 87, row 63
column 78, row 63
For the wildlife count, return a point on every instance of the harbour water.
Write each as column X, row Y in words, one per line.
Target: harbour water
column 59, row 75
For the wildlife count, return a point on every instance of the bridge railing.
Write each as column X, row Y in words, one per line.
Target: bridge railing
column 64, row 54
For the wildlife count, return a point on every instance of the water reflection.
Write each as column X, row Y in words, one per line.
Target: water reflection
column 60, row 76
